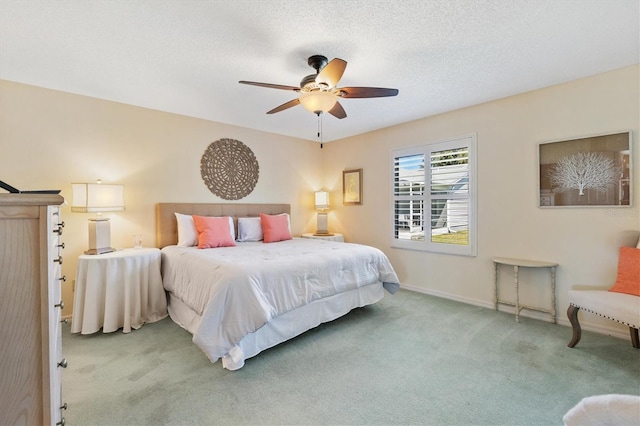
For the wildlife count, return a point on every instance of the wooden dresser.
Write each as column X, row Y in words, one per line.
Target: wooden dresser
column 31, row 361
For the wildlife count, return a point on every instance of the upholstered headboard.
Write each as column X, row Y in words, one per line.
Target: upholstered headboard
column 167, row 228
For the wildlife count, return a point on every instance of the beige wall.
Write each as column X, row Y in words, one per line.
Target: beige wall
column 581, row 240
column 50, row 139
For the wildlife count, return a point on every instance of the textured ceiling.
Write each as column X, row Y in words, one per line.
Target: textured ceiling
column 186, row 57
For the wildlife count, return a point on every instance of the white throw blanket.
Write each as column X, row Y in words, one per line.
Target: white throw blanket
column 605, row 410
column 239, row 289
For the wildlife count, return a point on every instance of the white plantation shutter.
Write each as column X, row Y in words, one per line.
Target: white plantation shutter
column 408, row 191
column 449, row 194
column 434, row 197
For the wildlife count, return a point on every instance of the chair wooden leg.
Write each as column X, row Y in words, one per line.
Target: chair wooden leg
column 572, row 313
column 635, row 342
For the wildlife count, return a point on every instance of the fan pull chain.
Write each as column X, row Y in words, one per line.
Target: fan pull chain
column 320, row 129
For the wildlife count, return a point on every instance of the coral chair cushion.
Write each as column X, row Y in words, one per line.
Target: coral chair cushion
column 628, row 280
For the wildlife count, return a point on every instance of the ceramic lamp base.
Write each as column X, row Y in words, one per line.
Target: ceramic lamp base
column 99, row 236
column 323, row 225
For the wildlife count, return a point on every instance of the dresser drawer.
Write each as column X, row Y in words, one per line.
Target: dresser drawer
column 30, row 287
column 57, row 363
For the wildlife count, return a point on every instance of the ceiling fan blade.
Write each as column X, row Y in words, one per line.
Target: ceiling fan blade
column 332, row 72
column 284, row 106
column 366, row 92
column 270, row 86
column 337, row 111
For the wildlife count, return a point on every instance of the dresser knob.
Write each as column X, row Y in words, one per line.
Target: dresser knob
column 59, row 305
column 63, row 363
column 58, row 230
column 61, row 245
column 63, row 406
column 61, row 422
column 61, row 224
column 59, row 260
column 63, row 278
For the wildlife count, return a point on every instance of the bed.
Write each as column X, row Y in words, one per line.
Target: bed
column 238, row 301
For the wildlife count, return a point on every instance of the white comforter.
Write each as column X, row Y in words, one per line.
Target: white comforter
column 237, row 290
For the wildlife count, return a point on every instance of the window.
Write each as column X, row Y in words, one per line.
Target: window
column 434, row 197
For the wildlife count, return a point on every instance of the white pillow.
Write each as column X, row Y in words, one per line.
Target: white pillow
column 249, row 229
column 187, row 233
column 288, row 219
column 232, row 229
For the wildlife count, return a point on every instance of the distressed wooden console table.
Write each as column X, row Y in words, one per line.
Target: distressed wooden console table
column 517, row 263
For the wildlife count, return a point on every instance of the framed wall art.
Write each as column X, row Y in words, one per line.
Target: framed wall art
column 352, row 187
column 593, row 171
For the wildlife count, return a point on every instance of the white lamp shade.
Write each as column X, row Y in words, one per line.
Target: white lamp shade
column 93, row 197
column 322, row 200
column 318, row 101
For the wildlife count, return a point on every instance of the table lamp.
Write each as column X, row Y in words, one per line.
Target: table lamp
column 98, row 198
column 322, row 203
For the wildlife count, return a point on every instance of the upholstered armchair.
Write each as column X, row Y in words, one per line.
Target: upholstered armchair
column 621, row 302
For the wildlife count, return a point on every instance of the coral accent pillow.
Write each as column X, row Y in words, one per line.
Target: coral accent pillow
column 213, row 232
column 275, row 227
column 628, row 280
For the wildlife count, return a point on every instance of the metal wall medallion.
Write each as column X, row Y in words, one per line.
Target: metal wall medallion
column 229, row 169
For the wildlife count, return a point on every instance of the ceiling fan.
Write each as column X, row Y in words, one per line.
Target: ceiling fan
column 318, row 92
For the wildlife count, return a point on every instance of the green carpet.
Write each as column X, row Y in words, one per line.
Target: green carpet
column 409, row 359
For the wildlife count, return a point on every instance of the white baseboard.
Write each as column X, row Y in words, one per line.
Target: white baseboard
column 615, row 330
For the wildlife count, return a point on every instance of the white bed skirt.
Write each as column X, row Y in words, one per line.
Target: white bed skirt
column 284, row 327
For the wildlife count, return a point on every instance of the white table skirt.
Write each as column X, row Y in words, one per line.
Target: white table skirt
column 122, row 289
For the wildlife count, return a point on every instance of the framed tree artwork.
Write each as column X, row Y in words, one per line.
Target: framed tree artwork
column 593, row 171
column 352, row 187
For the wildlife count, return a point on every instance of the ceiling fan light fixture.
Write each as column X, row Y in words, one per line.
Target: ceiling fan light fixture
column 318, row 101
column 318, row 92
